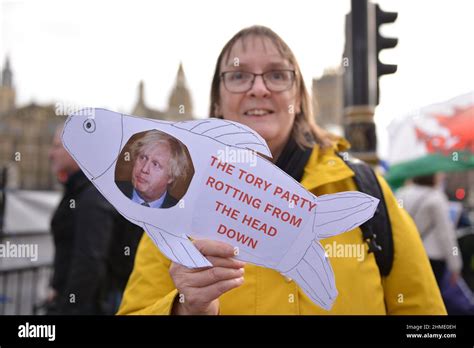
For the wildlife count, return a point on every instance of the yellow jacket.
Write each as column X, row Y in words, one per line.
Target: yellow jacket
column 410, row 288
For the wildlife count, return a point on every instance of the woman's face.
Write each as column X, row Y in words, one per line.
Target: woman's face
column 271, row 114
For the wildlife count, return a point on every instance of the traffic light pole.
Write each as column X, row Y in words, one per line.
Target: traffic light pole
column 359, row 129
column 361, row 75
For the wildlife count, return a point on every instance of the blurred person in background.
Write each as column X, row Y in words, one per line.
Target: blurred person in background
column 94, row 245
column 428, row 205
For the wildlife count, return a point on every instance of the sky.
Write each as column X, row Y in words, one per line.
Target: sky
column 94, row 53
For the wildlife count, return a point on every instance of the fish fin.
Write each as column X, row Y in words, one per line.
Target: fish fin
column 178, row 249
column 341, row 212
column 315, row 276
column 227, row 132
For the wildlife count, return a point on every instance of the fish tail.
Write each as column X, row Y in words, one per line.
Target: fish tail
column 315, row 277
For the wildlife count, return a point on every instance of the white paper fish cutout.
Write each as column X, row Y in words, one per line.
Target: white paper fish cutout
column 281, row 232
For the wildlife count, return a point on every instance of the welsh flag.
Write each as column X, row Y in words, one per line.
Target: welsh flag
column 437, row 138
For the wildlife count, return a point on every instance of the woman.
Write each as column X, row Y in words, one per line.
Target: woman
column 257, row 82
column 428, row 205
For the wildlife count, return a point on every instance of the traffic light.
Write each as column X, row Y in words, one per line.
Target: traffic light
column 362, row 70
column 383, row 17
column 359, row 71
column 362, row 66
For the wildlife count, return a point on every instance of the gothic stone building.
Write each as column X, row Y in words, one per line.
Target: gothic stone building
column 26, row 132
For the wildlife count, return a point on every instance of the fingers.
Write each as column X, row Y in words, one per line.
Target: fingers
column 214, row 248
column 201, row 287
column 225, row 262
column 213, row 275
column 218, row 253
column 214, row 291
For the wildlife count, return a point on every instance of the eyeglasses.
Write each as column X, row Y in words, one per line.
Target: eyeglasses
column 242, row 81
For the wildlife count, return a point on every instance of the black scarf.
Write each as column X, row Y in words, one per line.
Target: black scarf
column 293, row 159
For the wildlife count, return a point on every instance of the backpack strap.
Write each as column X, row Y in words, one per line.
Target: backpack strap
column 377, row 232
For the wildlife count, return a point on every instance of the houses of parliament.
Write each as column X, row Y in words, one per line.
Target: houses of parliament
column 26, row 131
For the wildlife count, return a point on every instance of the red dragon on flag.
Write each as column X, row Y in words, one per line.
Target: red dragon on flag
column 437, row 138
column 460, row 127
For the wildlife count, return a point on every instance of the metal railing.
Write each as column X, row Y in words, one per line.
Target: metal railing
column 21, row 289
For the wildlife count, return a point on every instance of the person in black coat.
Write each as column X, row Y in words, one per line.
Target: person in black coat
column 95, row 246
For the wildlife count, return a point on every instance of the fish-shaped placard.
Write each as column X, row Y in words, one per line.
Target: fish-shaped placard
column 232, row 194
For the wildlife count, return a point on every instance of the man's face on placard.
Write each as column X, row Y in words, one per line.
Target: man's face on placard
column 151, row 171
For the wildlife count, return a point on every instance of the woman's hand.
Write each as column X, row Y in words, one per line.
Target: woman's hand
column 199, row 289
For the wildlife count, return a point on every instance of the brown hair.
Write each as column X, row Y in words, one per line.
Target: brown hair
column 425, row 180
column 304, row 126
